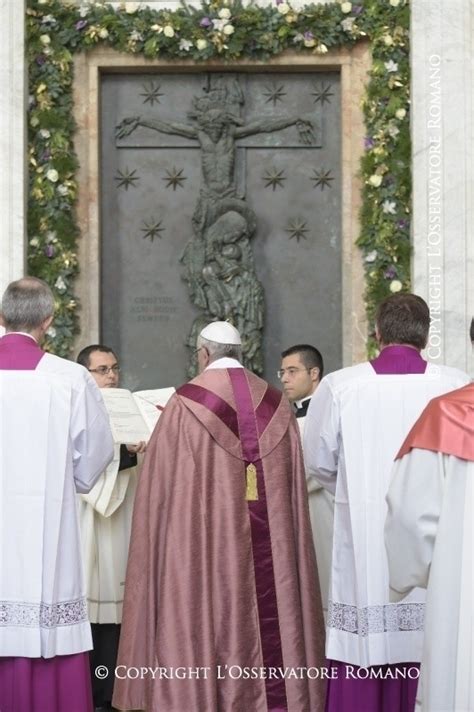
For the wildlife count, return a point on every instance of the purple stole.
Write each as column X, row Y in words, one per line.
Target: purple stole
column 19, row 353
column 248, row 424
column 398, row 359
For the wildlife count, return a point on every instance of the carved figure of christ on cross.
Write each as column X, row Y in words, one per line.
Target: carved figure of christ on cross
column 217, row 130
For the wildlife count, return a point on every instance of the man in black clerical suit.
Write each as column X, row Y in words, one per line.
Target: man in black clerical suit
column 300, row 373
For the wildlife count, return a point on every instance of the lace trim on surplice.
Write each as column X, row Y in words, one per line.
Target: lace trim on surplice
column 389, row 618
column 43, row 615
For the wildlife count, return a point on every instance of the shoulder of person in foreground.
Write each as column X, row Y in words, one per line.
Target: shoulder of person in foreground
column 90, row 429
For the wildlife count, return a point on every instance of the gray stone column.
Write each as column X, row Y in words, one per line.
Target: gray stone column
column 13, row 165
column 442, row 42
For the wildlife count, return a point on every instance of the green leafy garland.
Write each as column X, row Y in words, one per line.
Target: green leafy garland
column 230, row 30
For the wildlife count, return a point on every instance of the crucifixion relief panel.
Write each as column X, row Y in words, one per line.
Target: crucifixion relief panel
column 220, row 199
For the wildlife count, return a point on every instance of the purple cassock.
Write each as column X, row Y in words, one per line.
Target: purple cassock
column 391, row 689
column 61, row 683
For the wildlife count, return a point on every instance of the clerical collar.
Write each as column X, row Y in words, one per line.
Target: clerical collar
column 224, row 362
column 301, row 407
column 398, row 359
column 20, row 333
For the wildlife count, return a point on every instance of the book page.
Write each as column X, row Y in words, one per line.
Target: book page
column 126, row 421
column 151, row 403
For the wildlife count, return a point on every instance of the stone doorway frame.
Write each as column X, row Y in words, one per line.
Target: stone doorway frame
column 353, row 65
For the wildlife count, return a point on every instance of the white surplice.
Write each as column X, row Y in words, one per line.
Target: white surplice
column 429, row 537
column 321, row 512
column 105, row 515
column 54, row 440
column 356, row 423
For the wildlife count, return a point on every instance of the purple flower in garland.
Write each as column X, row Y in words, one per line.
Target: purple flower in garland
column 40, row 60
column 49, row 251
column 368, row 143
column 45, row 156
column 390, row 273
column 205, row 22
column 357, row 9
column 80, row 24
column 308, row 35
column 402, row 224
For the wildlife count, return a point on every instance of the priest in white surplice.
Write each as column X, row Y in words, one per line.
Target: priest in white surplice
column 301, row 371
column 54, row 440
column 429, row 536
column 356, row 422
column 105, row 515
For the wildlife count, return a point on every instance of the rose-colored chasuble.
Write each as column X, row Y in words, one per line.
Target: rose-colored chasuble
column 248, row 424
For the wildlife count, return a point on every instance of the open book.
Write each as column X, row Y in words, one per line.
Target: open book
column 133, row 416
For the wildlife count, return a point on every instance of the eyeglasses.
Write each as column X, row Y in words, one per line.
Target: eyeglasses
column 104, row 370
column 291, row 371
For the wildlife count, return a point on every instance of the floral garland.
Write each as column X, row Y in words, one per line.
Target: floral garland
column 228, row 29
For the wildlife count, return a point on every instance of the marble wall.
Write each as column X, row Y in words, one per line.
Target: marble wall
column 443, row 172
column 13, row 102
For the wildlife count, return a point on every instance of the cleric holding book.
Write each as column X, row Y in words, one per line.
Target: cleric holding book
column 222, row 573
column 105, row 515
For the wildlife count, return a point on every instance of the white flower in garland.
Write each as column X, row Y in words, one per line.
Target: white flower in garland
column 321, row 48
column 346, row 7
column 45, row 40
column 229, row 30
column 34, row 242
column 168, row 31
column 400, row 113
column 395, row 286
column 371, row 256
column 157, row 28
column 375, row 180
column 62, row 190
column 393, row 131
column 51, row 332
column 348, row 24
column 389, row 207
column 84, row 10
column 394, row 3
column 388, row 40
column 131, row 7
column 219, row 25
column 201, row 44
column 60, row 285
column 283, row 8
column 224, row 13
column 52, row 175
column 185, row 45
column 44, row 133
column 391, row 66
column 103, row 33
